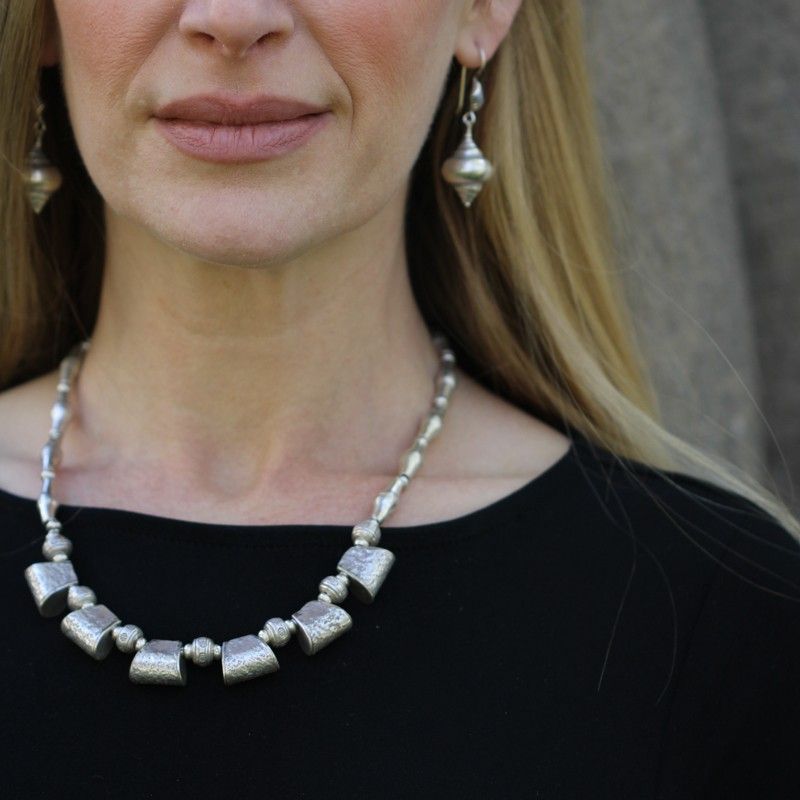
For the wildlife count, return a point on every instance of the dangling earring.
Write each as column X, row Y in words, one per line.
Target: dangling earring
column 41, row 177
column 468, row 169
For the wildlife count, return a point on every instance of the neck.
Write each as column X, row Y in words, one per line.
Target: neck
column 318, row 364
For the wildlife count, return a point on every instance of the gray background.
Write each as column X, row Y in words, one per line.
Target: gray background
column 699, row 111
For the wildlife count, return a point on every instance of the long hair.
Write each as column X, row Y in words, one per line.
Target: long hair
column 524, row 283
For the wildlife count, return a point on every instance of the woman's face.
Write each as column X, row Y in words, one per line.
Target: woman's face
column 375, row 68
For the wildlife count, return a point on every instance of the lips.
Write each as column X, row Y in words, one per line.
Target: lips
column 230, row 129
column 231, row 110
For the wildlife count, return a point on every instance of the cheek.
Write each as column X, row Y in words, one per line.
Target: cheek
column 386, row 50
column 103, row 44
column 392, row 57
column 104, row 41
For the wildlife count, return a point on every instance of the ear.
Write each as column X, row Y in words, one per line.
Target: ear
column 485, row 25
column 50, row 53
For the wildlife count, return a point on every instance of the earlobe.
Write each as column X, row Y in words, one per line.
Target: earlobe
column 487, row 25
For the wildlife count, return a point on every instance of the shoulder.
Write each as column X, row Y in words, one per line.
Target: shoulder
column 713, row 518
column 734, row 575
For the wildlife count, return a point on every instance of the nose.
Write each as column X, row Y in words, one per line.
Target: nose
column 233, row 27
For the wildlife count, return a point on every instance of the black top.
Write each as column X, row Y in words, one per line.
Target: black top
column 595, row 633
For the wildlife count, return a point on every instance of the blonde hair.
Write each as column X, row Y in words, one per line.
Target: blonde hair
column 522, row 284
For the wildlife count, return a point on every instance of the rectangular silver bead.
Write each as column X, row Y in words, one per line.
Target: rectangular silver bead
column 90, row 628
column 318, row 624
column 49, row 582
column 367, row 568
column 160, row 661
column 246, row 657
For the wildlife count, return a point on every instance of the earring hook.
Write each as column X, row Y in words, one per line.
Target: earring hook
column 463, row 83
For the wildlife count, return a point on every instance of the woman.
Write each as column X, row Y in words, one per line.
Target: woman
column 290, row 291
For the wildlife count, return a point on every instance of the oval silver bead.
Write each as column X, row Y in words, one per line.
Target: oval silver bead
column 51, row 454
column 385, row 503
column 59, row 416
column 68, row 368
column 476, row 96
column 431, row 426
column 411, row 462
column 445, row 383
column 398, row 484
column 47, row 507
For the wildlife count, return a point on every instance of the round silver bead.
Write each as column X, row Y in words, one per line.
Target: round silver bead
column 56, row 544
column 200, row 651
column 448, row 356
column 367, row 531
column 80, row 596
column 276, row 631
column 334, row 587
column 440, row 403
column 217, row 652
column 128, row 638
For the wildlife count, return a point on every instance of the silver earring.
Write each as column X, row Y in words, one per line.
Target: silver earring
column 467, row 170
column 41, row 177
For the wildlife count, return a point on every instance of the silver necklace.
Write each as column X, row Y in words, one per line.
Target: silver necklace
column 96, row 629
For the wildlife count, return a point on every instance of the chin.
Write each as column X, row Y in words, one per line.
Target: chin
column 234, row 234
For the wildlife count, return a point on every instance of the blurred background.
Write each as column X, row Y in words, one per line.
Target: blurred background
column 699, row 111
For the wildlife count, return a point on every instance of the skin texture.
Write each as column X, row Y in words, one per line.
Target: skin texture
column 259, row 356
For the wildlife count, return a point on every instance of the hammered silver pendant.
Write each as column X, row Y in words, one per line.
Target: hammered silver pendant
column 49, row 582
column 367, row 568
column 91, row 629
column 159, row 661
column 246, row 657
column 318, row 624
